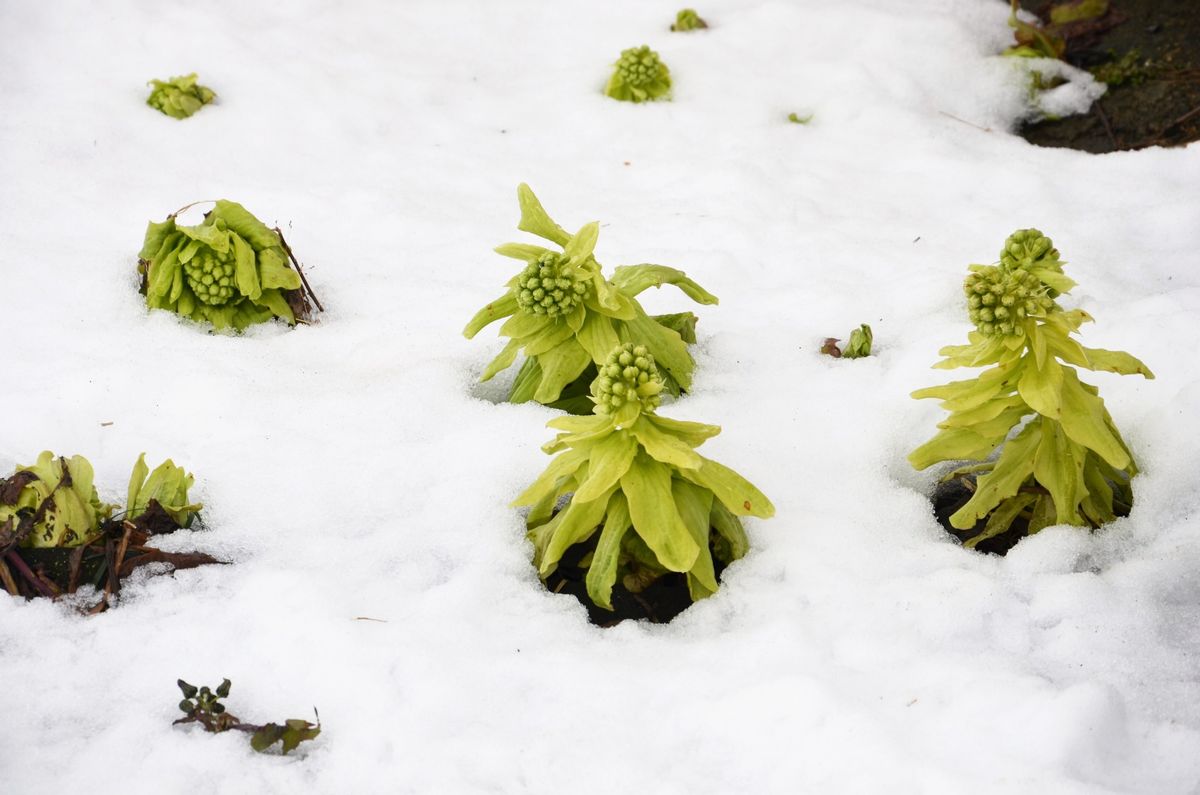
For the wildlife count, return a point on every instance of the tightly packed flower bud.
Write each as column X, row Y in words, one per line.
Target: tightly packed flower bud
column 210, row 278
column 639, row 67
column 544, row 289
column 628, row 375
column 1026, row 248
column 999, row 300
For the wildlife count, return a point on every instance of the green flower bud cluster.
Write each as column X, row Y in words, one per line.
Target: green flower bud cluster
column 211, row 279
column 639, row 76
column 688, row 19
column 179, row 97
column 629, row 375
column 545, row 289
column 999, row 299
column 639, row 66
column 1026, row 248
column 231, row 270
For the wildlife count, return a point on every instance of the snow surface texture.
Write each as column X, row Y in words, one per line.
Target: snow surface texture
column 355, row 469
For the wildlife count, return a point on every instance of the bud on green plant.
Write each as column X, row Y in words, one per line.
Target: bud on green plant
column 1068, row 463
column 179, row 97
column 999, row 300
column 627, row 377
column 167, row 485
column 639, row 76
column 231, row 270
column 687, row 20
column 635, row 478
column 566, row 316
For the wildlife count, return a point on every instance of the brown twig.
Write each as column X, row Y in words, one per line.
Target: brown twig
column 296, row 264
column 1107, row 127
column 39, row 584
column 964, row 121
column 6, row 577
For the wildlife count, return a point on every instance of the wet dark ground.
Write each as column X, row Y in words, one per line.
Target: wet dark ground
column 1158, row 103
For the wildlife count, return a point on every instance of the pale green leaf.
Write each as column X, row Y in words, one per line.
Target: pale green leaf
column 535, row 220
column 647, row 486
column 1083, row 419
column 602, row 573
column 1041, row 387
column 739, row 495
column 609, row 459
column 663, row 446
column 633, row 279
column 503, row 306
column 1012, row 468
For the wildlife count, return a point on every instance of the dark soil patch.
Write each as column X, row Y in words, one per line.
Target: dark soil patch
column 953, row 494
column 660, row 602
column 1158, row 104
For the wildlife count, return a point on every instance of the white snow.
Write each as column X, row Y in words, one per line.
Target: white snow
column 354, row 469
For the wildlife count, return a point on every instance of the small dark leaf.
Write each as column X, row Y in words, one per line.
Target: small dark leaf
column 10, row 489
column 189, row 691
column 218, row 708
column 223, row 689
column 187, row 706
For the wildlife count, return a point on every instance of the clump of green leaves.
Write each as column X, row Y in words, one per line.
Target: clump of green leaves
column 1068, row 464
column 179, row 97
column 639, row 76
column 565, row 316
column 858, row 346
column 52, row 503
column 167, row 487
column 231, row 270
column 688, row 19
column 203, row 705
column 635, row 478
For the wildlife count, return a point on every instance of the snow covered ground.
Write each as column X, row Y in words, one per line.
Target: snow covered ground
column 354, row 468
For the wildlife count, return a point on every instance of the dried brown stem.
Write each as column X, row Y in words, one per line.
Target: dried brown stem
column 296, row 264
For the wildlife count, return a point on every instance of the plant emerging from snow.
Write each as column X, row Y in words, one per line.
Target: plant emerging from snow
column 566, row 316
column 203, row 705
column 230, row 270
column 639, row 76
column 687, row 20
column 167, row 487
column 634, row 476
column 179, row 97
column 1068, row 464
column 52, row 503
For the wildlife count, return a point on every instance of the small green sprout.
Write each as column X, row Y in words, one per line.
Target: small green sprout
column 566, row 316
column 52, row 503
column 231, row 270
column 688, row 20
column 179, row 97
column 1068, row 464
column 167, row 486
column 1129, row 68
column 203, row 705
column 639, row 76
column 858, row 346
column 796, row 118
column 628, row 469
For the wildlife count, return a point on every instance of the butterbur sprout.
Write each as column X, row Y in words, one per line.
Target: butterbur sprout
column 566, row 316
column 179, row 97
column 639, row 76
column 635, row 478
column 687, row 20
column 1068, row 463
column 231, row 270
